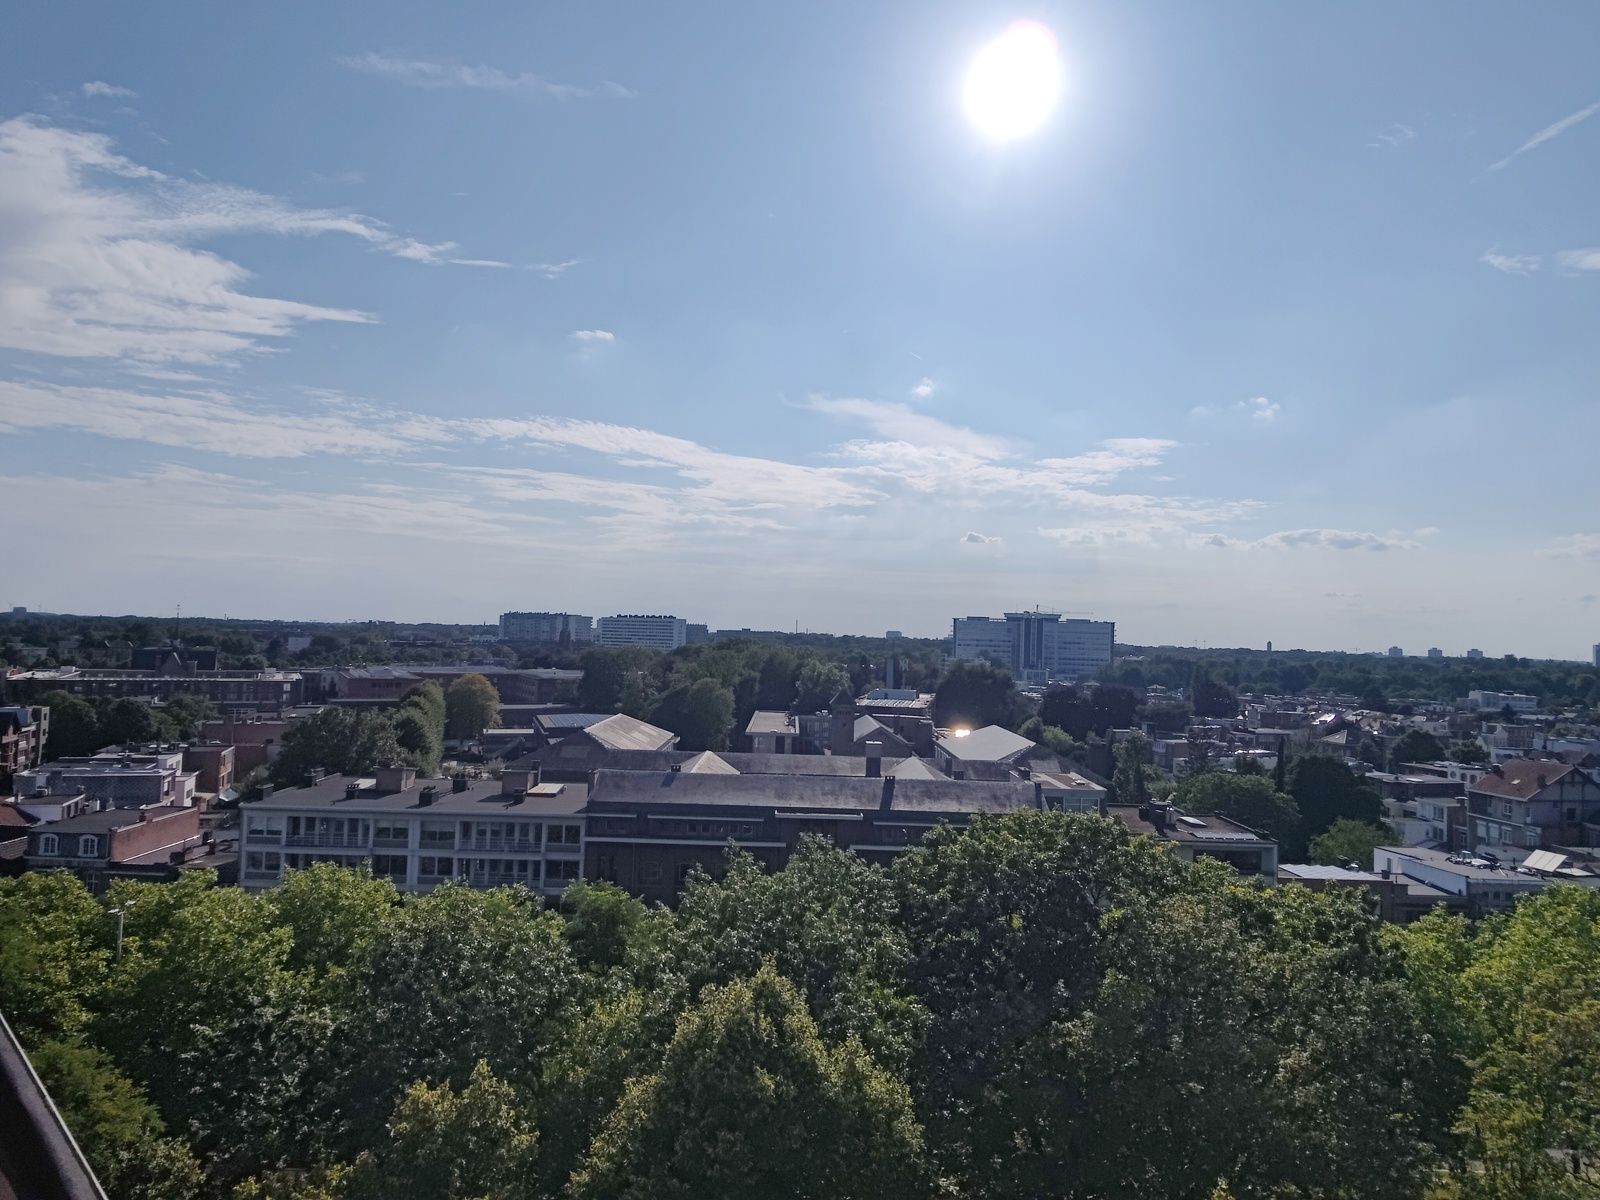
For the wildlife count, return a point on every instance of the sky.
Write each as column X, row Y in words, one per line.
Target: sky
column 1281, row 326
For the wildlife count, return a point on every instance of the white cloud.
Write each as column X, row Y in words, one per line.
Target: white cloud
column 904, row 424
column 98, row 87
column 421, row 73
column 1323, row 539
column 1260, row 408
column 1574, row 545
column 1395, row 135
column 1511, row 264
column 1587, row 259
column 1201, row 412
column 924, row 388
column 971, row 538
column 554, row 270
column 1547, row 133
column 592, row 337
column 98, row 262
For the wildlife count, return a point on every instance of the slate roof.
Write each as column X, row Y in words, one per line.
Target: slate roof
column 1522, row 778
column 619, row 732
column 992, row 743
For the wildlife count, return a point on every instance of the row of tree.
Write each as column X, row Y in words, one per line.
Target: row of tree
column 80, row 725
column 1042, row 1006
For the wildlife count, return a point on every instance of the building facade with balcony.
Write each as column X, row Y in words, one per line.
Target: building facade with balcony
column 554, row 628
column 114, row 779
column 230, row 691
column 420, row 834
column 23, row 732
column 631, row 629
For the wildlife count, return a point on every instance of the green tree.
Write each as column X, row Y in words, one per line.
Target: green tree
column 638, row 694
column 1469, row 752
column 1325, row 791
column 700, row 713
column 974, row 695
column 53, row 954
column 471, row 706
column 130, row 722
column 601, row 923
column 338, row 740
column 1415, row 745
column 1130, row 782
column 749, row 1101
column 1248, row 799
column 819, row 683
column 605, row 674
column 335, row 916
column 185, row 714
column 115, row 1125
column 1210, row 698
column 74, row 726
column 477, row 1143
column 1347, row 841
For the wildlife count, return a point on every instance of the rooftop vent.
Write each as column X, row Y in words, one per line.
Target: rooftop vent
column 426, row 796
column 458, row 782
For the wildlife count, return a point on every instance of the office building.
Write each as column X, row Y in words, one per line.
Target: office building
column 549, row 627
column 1516, row 701
column 1597, row 654
column 420, row 833
column 1038, row 647
column 1474, row 653
column 630, row 629
column 1435, row 652
column 229, row 690
column 1396, row 652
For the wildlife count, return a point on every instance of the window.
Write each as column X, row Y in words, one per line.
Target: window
column 440, row 868
column 88, row 846
column 650, row 871
column 561, row 870
column 389, row 866
column 565, row 835
column 396, row 833
column 49, row 844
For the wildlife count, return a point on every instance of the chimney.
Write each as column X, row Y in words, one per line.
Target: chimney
column 1159, row 815
column 515, row 783
column 352, row 790
column 458, row 782
column 1038, row 793
column 676, row 767
column 1024, row 772
column 395, row 779
column 535, row 771
column 887, row 801
column 266, row 791
column 426, row 795
column 874, row 758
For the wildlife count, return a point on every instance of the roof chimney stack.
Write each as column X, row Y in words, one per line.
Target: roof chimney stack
column 874, row 758
column 458, row 782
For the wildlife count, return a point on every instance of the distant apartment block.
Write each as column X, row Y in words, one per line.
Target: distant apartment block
column 1498, row 700
column 1396, row 652
column 1038, row 647
column 546, row 627
column 380, row 685
column 657, row 632
column 1435, row 652
column 1474, row 653
column 115, row 779
column 229, row 690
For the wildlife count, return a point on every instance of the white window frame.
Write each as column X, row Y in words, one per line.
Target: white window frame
column 49, row 843
column 88, row 846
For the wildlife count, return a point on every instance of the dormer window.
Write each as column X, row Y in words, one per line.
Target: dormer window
column 49, row 843
column 88, row 846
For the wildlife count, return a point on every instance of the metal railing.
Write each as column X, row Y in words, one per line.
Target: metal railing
column 264, row 837
column 525, row 845
column 330, row 841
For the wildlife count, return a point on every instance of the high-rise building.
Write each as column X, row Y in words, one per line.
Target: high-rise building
column 1474, row 653
column 1435, row 652
column 1037, row 646
column 1396, row 652
column 1597, row 654
column 545, row 627
column 631, row 629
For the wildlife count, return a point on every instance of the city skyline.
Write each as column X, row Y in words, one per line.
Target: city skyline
column 1275, row 327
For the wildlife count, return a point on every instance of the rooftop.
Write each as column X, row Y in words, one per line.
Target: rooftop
column 1460, row 864
column 1330, row 874
column 992, row 743
column 482, row 797
column 113, row 818
column 619, row 732
column 1210, row 830
column 810, row 792
column 769, row 721
column 1522, row 778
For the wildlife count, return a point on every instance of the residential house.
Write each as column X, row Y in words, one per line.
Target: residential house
column 24, row 730
column 1527, row 803
column 1244, row 849
column 1398, row 898
column 1479, row 885
column 116, row 843
column 116, row 778
column 957, row 752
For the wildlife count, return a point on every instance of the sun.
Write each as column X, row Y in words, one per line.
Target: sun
column 1014, row 82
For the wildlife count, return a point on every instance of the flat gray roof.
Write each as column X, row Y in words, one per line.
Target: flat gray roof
column 483, row 797
column 810, row 792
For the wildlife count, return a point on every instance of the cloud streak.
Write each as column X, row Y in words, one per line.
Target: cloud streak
column 423, row 73
column 99, row 259
column 1548, row 133
column 98, row 87
column 1510, row 264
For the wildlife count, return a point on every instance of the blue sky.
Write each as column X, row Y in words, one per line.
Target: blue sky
column 1281, row 327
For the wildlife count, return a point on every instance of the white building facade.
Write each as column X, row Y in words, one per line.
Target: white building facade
column 545, row 627
column 657, row 632
column 1038, row 647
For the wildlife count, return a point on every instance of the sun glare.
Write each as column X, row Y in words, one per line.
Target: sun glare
column 1013, row 82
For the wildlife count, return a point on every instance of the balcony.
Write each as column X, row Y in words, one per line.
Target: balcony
column 520, row 845
column 490, row 879
column 391, row 843
column 263, row 837
column 328, row 841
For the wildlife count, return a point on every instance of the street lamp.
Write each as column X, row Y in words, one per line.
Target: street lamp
column 120, row 912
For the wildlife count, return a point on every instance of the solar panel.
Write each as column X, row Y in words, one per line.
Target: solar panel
column 1544, row 860
column 1218, row 835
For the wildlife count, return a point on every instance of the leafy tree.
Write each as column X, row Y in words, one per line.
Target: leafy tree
column 1085, row 711
column 53, row 954
column 339, row 740
column 1415, row 745
column 1198, row 756
column 458, row 976
column 130, row 722
column 605, row 672
column 418, row 740
column 1469, row 752
column 749, row 1101
column 700, row 713
column 1057, row 741
column 638, row 694
column 335, row 916
column 329, row 1181
column 974, row 695
column 477, row 1143
column 1247, row 764
column 818, row 684
column 602, row 921
column 471, row 706
column 1347, row 841
column 184, row 715
column 74, row 726
column 1210, row 698
column 1325, row 791
column 115, row 1125
column 1130, row 782
column 1248, row 799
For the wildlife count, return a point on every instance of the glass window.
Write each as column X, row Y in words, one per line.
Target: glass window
column 561, row 870
column 88, row 846
column 565, row 835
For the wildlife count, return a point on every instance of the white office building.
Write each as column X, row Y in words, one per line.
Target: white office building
column 658, row 632
column 1038, row 647
column 545, row 627
column 420, row 833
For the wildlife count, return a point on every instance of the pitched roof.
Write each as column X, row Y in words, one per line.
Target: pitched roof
column 911, row 768
column 707, row 763
column 12, row 817
column 620, row 732
column 1522, row 778
column 992, row 743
